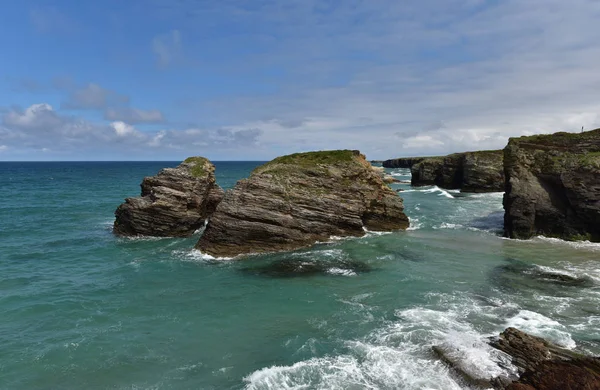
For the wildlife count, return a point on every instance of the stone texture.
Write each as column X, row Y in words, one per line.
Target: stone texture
column 174, row 203
column 471, row 171
column 403, row 162
column 553, row 186
column 297, row 200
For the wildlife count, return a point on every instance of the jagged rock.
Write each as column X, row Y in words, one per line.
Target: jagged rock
column 297, row 200
column 553, row 186
column 471, row 171
column 545, row 366
column 174, row 203
column 404, row 162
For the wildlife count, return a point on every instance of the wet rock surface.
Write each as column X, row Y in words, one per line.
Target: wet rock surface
column 174, row 203
column 553, row 186
column 297, row 200
column 403, row 162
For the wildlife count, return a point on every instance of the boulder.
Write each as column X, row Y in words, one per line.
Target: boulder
column 480, row 171
column 553, row 186
column 174, row 203
column 297, row 200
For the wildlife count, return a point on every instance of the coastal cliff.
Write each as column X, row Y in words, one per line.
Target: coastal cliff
column 403, row 162
column 553, row 186
column 297, row 200
column 174, row 203
column 480, row 171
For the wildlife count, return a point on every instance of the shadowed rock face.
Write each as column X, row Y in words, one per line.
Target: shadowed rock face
column 553, row 186
column 406, row 162
column 174, row 203
column 297, row 200
column 471, row 171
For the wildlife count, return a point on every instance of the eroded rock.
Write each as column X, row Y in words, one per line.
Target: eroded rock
column 297, row 200
column 174, row 203
column 553, row 186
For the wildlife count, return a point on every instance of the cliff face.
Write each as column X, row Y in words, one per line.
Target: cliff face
column 297, row 200
column 553, row 186
column 471, row 171
column 406, row 162
column 174, row 203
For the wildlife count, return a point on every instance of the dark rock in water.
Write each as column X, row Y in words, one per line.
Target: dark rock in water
column 174, row 203
column 471, row 171
column 576, row 374
column 297, row 200
column 405, row 162
column 399, row 190
column 289, row 268
column 553, row 186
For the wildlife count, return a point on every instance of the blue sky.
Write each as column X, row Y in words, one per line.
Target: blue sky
column 254, row 79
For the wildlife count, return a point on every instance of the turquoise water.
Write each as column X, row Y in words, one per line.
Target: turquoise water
column 82, row 309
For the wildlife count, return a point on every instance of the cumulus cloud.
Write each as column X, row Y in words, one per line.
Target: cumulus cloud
column 93, row 96
column 167, row 48
column 133, row 115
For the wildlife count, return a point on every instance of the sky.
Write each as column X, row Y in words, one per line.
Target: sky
column 255, row 79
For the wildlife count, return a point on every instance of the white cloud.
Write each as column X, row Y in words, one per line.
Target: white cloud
column 93, row 96
column 122, row 129
column 133, row 115
column 167, row 48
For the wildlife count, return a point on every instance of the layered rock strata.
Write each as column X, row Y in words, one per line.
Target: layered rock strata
column 297, row 200
column 174, row 203
column 471, row 171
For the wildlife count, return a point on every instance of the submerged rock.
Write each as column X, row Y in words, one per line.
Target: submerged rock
column 289, row 268
column 404, row 162
column 174, row 203
column 480, row 171
column 553, row 186
column 297, row 200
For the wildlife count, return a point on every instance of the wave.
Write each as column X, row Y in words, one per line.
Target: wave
column 587, row 245
column 542, row 326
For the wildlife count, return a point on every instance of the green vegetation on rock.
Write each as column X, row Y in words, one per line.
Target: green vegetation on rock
column 198, row 169
column 309, row 160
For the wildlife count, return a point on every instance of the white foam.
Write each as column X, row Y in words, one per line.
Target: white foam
column 542, row 326
column 586, row 245
column 446, row 225
column 197, row 255
column 341, row 271
column 414, row 224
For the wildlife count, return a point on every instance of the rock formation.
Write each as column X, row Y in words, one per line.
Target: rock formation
column 297, row 200
column 174, row 203
column 403, row 162
column 471, row 171
column 553, row 186
column 536, row 365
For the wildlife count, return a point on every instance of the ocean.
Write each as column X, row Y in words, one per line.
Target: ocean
column 83, row 309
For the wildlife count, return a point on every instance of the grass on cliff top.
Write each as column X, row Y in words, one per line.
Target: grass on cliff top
column 558, row 139
column 309, row 159
column 197, row 169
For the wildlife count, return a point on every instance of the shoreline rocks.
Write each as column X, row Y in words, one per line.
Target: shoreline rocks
column 531, row 363
column 174, row 203
column 480, row 171
column 553, row 186
column 299, row 199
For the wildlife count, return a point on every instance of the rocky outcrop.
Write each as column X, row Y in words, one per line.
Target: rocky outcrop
column 471, row 171
column 553, row 186
column 174, row 203
column 404, row 162
column 531, row 363
column 297, row 200
column 544, row 366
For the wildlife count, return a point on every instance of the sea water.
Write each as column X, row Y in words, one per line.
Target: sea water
column 83, row 309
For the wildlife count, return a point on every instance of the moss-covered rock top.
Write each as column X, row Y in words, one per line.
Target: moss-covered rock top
column 199, row 166
column 310, row 160
column 560, row 139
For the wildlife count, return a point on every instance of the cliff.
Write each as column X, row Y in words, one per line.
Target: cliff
column 480, row 171
column 297, row 200
column 174, row 203
column 553, row 186
column 404, row 162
